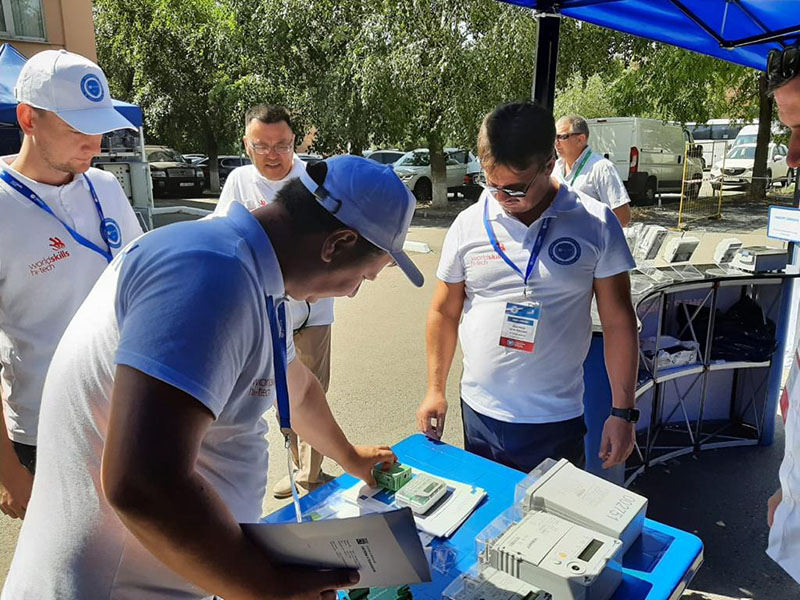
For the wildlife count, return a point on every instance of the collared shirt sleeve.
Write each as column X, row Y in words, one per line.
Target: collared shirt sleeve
column 615, row 256
column 191, row 327
column 609, row 186
column 451, row 264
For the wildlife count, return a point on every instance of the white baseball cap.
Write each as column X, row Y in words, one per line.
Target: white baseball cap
column 71, row 86
column 370, row 198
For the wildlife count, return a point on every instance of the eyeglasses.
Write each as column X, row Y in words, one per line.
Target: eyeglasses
column 516, row 192
column 282, row 148
column 782, row 65
column 565, row 136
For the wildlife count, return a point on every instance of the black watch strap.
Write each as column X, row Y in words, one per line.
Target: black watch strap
column 631, row 415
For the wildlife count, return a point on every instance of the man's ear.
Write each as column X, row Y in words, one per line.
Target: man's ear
column 338, row 244
column 25, row 116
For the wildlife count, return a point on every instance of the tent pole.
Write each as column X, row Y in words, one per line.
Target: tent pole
column 546, row 60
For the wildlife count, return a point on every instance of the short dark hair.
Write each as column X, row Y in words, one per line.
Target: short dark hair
column 516, row 134
column 268, row 113
column 308, row 216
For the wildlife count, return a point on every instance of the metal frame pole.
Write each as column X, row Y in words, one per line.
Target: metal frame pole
column 544, row 75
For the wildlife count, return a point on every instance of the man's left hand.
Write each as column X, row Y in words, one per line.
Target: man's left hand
column 363, row 458
column 617, row 443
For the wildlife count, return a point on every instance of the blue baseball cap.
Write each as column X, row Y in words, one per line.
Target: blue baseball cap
column 370, row 198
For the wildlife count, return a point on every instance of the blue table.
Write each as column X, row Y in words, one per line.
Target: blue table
column 658, row 566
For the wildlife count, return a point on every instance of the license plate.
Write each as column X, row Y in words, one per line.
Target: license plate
column 186, row 184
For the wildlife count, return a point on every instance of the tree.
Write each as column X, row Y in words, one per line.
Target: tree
column 178, row 60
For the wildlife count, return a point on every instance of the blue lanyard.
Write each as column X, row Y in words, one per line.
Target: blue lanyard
column 36, row 199
column 277, row 329
column 537, row 244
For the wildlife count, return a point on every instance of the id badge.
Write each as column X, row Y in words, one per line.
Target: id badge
column 520, row 323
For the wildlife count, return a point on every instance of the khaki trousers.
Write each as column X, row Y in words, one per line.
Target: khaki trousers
column 313, row 347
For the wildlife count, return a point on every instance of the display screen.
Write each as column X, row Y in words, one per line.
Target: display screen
column 590, row 550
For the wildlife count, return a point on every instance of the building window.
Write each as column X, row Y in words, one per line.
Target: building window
column 22, row 19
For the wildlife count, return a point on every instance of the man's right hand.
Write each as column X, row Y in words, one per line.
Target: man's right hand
column 772, row 505
column 15, row 486
column 431, row 414
column 303, row 583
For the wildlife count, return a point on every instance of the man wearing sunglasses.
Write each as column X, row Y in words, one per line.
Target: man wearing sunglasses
column 783, row 77
column 517, row 275
column 269, row 140
column 587, row 171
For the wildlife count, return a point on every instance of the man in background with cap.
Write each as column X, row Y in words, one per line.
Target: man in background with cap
column 152, row 446
column 783, row 77
column 61, row 222
column 587, row 171
column 269, row 142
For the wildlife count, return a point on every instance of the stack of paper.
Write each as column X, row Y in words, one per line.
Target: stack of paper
column 441, row 521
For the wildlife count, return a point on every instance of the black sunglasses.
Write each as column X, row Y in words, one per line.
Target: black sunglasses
column 782, row 65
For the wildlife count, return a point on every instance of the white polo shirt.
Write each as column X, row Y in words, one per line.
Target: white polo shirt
column 784, row 535
column 598, row 178
column 250, row 188
column 185, row 304
column 44, row 277
column 584, row 242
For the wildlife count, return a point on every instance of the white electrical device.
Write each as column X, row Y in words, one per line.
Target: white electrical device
column 726, row 250
column 491, row 584
column 421, row 493
column 565, row 560
column 760, row 259
column 680, row 249
column 588, row 500
column 650, row 241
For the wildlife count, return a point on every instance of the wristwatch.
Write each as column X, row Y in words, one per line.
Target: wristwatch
column 631, row 415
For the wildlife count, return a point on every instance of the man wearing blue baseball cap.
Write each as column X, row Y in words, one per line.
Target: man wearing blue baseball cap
column 61, row 223
column 152, row 446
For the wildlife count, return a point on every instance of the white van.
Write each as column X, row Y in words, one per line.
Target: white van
column 648, row 154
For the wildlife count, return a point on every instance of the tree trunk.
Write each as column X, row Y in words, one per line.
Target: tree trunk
column 213, row 164
column 438, row 171
column 758, row 186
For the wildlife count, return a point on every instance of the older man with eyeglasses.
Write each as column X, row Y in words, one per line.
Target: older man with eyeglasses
column 517, row 274
column 269, row 140
column 587, row 171
column 783, row 76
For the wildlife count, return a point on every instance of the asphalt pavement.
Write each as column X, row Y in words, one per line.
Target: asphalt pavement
column 378, row 379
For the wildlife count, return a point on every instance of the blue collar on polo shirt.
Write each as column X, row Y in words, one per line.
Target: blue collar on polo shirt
column 269, row 270
column 565, row 200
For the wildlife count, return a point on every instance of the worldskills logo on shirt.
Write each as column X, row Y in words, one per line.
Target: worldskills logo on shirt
column 48, row 263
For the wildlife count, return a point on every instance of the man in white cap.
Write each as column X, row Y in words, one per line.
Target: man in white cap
column 61, row 223
column 269, row 140
column 152, row 447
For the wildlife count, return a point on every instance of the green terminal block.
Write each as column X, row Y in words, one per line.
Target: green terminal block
column 390, row 593
column 393, row 479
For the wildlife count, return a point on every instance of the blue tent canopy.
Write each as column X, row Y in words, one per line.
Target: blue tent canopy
column 11, row 62
column 738, row 31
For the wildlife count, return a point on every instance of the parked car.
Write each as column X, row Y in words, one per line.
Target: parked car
column 739, row 167
column 716, row 136
column 472, row 187
column 307, row 157
column 194, row 158
column 414, row 169
column 171, row 173
column 225, row 164
column 385, row 157
column 648, row 154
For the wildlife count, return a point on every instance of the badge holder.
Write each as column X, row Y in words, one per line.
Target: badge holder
column 520, row 322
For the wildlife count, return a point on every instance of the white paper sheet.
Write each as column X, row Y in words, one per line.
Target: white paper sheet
column 383, row 547
column 442, row 520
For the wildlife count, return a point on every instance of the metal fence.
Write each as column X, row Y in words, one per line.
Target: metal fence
column 701, row 193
